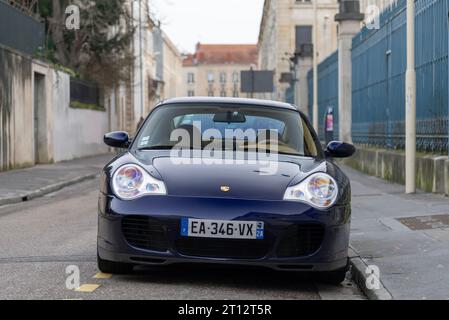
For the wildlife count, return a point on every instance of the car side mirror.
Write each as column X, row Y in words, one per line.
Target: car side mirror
column 339, row 149
column 118, row 139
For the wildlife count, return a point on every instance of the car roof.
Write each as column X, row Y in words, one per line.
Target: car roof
column 219, row 100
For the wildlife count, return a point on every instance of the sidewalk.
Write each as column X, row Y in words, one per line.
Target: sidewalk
column 412, row 254
column 22, row 185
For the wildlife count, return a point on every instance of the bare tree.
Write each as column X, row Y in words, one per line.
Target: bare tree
column 100, row 48
column 29, row 7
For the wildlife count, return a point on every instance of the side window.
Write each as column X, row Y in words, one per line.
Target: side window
column 309, row 143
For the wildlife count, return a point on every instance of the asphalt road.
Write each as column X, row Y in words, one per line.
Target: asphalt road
column 39, row 239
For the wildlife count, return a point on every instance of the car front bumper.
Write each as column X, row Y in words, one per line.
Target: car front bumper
column 298, row 237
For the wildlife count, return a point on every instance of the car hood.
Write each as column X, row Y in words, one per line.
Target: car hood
column 245, row 181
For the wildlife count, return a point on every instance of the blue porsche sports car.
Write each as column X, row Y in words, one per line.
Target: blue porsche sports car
column 225, row 181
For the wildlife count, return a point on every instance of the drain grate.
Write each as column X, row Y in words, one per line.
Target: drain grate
column 426, row 222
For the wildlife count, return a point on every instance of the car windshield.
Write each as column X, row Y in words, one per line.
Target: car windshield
column 237, row 128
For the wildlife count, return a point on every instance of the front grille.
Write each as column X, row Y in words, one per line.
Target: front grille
column 223, row 248
column 300, row 240
column 151, row 234
column 145, row 233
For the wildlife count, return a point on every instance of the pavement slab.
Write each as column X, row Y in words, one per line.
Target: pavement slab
column 26, row 184
column 414, row 264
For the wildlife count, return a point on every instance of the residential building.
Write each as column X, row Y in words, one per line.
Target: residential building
column 129, row 100
column 172, row 70
column 287, row 28
column 215, row 69
column 146, row 84
column 156, row 71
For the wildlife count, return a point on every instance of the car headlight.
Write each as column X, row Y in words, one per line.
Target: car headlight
column 131, row 181
column 319, row 190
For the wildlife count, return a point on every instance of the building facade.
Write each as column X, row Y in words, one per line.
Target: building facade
column 214, row 70
column 287, row 28
column 129, row 100
column 155, row 74
column 172, row 70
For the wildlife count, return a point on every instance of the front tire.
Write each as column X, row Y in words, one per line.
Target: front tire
column 111, row 267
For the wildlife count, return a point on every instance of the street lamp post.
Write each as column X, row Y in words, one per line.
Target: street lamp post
column 138, row 70
column 315, row 65
column 142, row 108
column 410, row 103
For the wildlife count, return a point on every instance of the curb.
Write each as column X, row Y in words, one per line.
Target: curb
column 360, row 277
column 46, row 190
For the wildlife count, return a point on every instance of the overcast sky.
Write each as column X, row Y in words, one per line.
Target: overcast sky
column 209, row 21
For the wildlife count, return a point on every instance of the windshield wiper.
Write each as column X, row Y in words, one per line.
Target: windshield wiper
column 290, row 154
column 164, row 147
column 161, row 147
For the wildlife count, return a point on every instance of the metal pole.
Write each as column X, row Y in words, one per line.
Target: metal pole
column 410, row 103
column 141, row 60
column 315, row 65
column 252, row 83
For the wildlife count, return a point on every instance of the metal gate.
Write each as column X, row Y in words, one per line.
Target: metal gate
column 378, row 92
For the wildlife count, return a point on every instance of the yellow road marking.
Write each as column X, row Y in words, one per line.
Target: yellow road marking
column 102, row 275
column 88, row 288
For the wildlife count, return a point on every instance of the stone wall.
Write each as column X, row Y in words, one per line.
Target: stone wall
column 77, row 132
column 16, row 116
column 432, row 170
column 37, row 125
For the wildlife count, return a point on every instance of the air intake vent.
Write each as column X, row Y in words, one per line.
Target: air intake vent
column 300, row 240
column 145, row 233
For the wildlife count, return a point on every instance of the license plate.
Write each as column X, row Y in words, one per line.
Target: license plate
column 222, row 229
